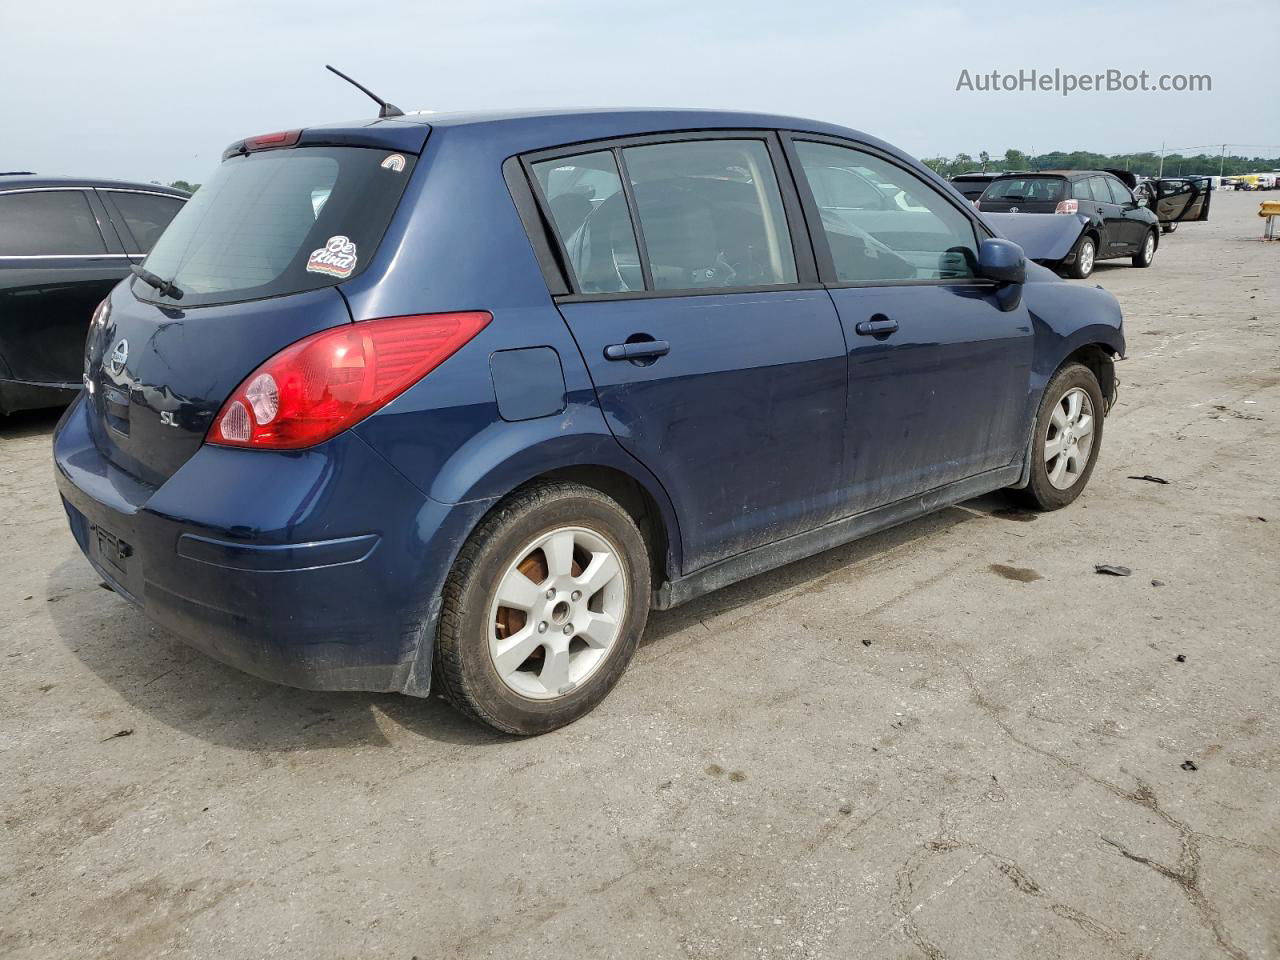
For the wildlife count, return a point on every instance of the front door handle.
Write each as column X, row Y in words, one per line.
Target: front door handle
column 877, row 326
column 637, row 350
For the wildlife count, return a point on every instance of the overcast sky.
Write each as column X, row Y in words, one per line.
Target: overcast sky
column 151, row 90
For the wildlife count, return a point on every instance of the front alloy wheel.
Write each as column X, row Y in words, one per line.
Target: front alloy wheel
column 1068, row 436
column 1069, row 439
column 1144, row 256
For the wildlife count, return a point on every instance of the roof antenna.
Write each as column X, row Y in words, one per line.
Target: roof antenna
column 385, row 109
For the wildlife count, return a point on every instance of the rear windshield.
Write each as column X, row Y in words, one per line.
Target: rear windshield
column 279, row 222
column 1048, row 189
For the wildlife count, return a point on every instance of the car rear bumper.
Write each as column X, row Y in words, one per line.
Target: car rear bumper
column 319, row 569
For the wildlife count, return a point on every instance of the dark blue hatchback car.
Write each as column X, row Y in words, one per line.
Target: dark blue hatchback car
column 465, row 396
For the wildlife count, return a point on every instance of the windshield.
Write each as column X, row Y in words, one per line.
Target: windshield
column 1047, row 189
column 278, row 222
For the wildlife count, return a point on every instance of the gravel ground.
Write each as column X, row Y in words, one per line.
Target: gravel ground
column 952, row 740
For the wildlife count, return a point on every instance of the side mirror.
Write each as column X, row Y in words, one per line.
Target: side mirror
column 1002, row 261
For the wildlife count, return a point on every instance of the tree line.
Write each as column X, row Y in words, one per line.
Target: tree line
column 1143, row 164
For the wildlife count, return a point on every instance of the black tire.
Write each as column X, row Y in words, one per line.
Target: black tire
column 1082, row 265
column 1149, row 243
column 464, row 667
column 1168, row 227
column 1040, row 493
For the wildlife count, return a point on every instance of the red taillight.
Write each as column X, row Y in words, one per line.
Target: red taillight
column 1067, row 206
column 323, row 384
column 269, row 141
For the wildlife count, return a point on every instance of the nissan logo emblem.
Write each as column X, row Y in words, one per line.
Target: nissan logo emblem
column 119, row 355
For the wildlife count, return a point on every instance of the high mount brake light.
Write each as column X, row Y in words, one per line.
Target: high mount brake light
column 314, row 389
column 1067, row 206
column 265, row 141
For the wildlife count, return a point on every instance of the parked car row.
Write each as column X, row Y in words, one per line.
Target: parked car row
column 64, row 243
column 463, row 397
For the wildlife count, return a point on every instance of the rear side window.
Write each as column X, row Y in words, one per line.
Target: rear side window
column 1119, row 192
column 279, row 222
column 909, row 232
column 591, row 219
column 1098, row 186
column 710, row 214
column 145, row 214
column 48, row 223
column 1080, row 190
column 1023, row 189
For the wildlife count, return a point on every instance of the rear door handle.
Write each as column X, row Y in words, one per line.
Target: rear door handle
column 879, row 326
column 637, row 350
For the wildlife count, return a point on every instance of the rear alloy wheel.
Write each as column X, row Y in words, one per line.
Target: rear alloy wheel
column 1144, row 256
column 1168, row 227
column 1086, row 254
column 543, row 609
column 1067, row 440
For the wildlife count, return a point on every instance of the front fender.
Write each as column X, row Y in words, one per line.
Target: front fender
column 1069, row 316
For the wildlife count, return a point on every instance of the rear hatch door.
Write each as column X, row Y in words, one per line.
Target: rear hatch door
column 250, row 265
column 1024, row 195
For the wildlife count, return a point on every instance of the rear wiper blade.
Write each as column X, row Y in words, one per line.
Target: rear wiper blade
column 165, row 287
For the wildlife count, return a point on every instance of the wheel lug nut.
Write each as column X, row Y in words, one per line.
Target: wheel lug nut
column 576, row 595
column 568, row 629
column 542, row 627
column 551, row 594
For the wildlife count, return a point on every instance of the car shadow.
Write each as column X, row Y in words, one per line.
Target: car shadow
column 664, row 623
column 180, row 687
column 29, row 423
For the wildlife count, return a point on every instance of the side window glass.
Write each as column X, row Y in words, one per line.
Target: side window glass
column 1080, row 190
column 905, row 230
column 1119, row 192
column 146, row 215
column 711, row 214
column 1100, row 192
column 47, row 223
column 589, row 210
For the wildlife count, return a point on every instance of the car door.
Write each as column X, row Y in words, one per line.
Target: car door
column 939, row 373
column 717, row 357
column 1114, row 240
column 1133, row 224
column 56, row 265
column 1181, row 201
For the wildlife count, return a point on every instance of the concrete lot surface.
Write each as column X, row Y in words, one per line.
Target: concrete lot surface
column 953, row 740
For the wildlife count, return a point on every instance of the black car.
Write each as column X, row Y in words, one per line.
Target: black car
column 64, row 243
column 1109, row 221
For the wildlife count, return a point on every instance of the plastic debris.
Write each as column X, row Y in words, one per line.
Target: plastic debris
column 1149, row 478
column 1112, row 569
column 118, row 734
column 866, row 641
column 1188, row 765
column 1181, row 658
column 1157, row 583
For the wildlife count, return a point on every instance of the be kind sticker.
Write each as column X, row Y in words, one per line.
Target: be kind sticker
column 337, row 258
